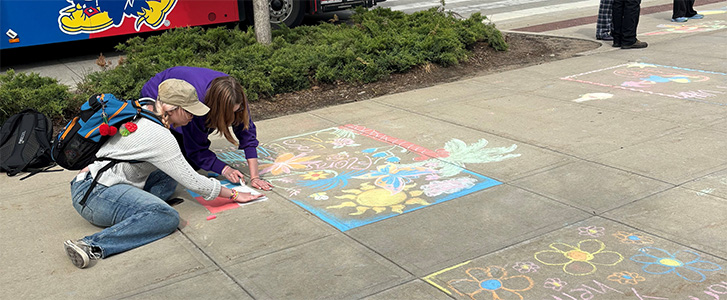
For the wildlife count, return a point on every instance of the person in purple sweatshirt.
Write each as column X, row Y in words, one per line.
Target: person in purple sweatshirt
column 228, row 107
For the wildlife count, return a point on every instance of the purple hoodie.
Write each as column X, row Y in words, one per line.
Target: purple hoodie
column 196, row 141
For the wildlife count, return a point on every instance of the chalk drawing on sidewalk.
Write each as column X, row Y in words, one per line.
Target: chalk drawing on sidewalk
column 350, row 176
column 690, row 27
column 593, row 96
column 705, row 192
column 220, row 203
column 713, row 11
column 686, row 264
column 668, row 81
column 491, row 280
column 616, row 266
column 581, row 259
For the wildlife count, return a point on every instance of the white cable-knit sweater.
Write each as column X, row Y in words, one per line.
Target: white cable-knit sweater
column 157, row 148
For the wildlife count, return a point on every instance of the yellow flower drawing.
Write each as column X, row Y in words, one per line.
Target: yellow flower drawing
column 491, row 283
column 633, row 238
column 286, row 162
column 315, row 175
column 581, row 259
column 626, row 277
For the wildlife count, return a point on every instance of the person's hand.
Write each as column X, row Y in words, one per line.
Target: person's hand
column 232, row 174
column 246, row 197
column 261, row 184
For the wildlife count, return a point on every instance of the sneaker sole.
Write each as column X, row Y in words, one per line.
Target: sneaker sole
column 78, row 257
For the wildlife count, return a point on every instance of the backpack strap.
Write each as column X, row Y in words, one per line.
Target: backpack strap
column 141, row 111
column 112, row 162
column 46, row 169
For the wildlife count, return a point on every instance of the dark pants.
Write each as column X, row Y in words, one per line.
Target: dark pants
column 683, row 8
column 625, row 19
column 180, row 141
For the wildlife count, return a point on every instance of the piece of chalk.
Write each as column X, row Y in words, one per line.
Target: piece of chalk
column 211, row 217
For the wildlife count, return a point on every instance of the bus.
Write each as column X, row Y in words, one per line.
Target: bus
column 39, row 22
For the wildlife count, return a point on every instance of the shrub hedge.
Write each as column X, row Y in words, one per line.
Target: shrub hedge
column 375, row 44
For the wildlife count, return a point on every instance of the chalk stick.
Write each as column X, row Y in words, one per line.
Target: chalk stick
column 211, row 217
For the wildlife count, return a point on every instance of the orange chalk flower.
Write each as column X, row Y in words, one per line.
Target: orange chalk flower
column 286, row 162
column 626, row 277
column 633, row 238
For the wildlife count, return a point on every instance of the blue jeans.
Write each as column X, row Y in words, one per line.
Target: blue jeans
column 133, row 217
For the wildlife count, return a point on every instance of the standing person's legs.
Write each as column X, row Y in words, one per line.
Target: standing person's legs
column 604, row 22
column 679, row 9
column 690, row 12
column 133, row 217
column 632, row 9
column 617, row 22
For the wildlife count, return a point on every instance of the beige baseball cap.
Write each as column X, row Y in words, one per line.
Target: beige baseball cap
column 180, row 93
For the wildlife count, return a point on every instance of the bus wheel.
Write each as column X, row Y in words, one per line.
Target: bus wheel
column 288, row 12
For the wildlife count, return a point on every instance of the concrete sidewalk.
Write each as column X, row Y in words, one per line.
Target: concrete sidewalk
column 597, row 177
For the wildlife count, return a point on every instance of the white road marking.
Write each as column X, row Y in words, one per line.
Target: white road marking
column 544, row 10
column 483, row 7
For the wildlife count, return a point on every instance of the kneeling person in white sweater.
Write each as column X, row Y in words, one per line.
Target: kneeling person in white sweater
column 129, row 198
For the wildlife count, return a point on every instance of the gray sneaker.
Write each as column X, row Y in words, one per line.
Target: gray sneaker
column 80, row 253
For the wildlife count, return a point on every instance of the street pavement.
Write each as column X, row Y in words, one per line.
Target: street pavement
column 602, row 176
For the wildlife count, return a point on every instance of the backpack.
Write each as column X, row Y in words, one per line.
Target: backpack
column 25, row 143
column 76, row 145
column 100, row 118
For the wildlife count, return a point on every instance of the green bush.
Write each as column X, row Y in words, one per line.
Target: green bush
column 373, row 45
column 19, row 91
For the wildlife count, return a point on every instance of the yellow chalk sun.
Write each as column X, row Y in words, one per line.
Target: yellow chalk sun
column 378, row 199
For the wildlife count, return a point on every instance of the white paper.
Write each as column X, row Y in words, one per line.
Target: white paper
column 242, row 188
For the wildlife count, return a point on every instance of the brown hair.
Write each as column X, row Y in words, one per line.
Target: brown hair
column 224, row 93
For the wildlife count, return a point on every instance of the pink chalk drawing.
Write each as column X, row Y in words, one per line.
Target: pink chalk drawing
column 581, row 259
column 525, row 267
column 555, row 284
column 668, row 81
column 343, row 142
column 491, row 282
column 688, row 28
column 287, row 162
column 591, row 231
column 625, row 277
column 424, row 153
column 436, row 188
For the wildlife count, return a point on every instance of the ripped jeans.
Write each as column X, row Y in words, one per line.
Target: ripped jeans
column 132, row 217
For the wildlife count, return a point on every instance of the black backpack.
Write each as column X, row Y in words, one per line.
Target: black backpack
column 25, row 143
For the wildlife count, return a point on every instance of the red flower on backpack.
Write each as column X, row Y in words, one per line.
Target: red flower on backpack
column 131, row 127
column 106, row 130
column 127, row 129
